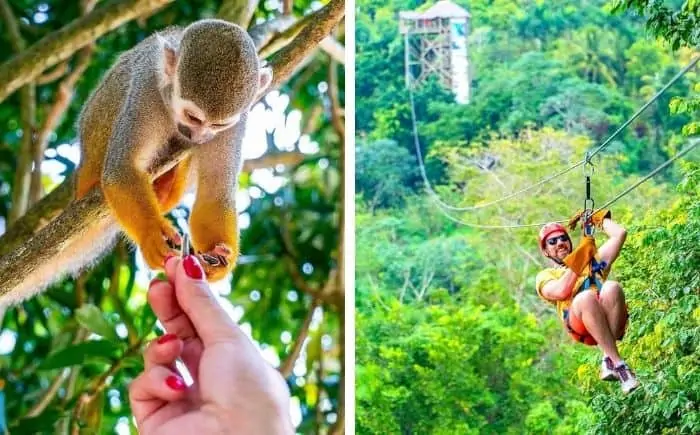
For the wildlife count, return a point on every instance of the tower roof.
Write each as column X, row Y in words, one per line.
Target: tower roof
column 441, row 9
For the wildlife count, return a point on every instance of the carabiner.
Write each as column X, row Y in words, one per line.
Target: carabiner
column 588, row 167
column 588, row 227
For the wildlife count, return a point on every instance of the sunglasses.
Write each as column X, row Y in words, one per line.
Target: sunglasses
column 553, row 241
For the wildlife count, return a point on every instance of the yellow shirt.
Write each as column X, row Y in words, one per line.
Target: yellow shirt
column 554, row 273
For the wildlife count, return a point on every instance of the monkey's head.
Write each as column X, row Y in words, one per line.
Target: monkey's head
column 216, row 77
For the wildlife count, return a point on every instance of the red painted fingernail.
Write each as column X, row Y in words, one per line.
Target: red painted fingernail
column 175, row 382
column 192, row 267
column 166, row 338
column 168, row 257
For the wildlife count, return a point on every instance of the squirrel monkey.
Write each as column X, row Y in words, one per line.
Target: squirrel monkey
column 186, row 87
column 194, row 84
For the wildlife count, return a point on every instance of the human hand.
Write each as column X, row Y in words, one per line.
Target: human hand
column 573, row 221
column 599, row 216
column 235, row 390
column 596, row 218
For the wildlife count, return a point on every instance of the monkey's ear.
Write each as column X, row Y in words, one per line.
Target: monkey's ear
column 169, row 59
column 265, row 80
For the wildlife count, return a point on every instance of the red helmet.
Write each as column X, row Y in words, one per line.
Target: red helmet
column 548, row 229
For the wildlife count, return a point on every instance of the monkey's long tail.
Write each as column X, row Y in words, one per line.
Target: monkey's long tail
column 65, row 247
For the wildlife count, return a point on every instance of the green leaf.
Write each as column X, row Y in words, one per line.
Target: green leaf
column 314, row 349
column 81, row 353
column 93, row 319
column 133, row 361
column 43, row 423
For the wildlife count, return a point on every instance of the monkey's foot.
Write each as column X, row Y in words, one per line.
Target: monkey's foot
column 218, row 262
column 155, row 244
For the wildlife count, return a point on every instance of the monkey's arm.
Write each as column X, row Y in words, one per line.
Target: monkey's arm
column 171, row 186
column 213, row 222
column 126, row 182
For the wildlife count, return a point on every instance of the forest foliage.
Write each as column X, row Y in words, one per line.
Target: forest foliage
column 452, row 337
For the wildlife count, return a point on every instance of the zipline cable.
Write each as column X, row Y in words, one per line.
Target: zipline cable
column 648, row 103
column 681, row 153
column 686, row 150
column 474, row 207
column 546, row 179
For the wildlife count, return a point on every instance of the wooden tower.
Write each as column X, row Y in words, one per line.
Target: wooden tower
column 436, row 44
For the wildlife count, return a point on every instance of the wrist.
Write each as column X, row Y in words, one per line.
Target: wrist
column 270, row 425
column 258, row 421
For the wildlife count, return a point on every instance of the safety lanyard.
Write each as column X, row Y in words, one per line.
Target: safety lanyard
column 588, row 203
column 596, row 268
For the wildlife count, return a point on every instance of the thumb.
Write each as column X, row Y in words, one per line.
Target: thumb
column 197, row 300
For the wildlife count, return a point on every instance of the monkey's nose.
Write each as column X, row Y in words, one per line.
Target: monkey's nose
column 185, row 131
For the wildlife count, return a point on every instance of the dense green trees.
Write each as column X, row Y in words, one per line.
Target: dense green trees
column 575, row 67
column 661, row 270
column 451, row 335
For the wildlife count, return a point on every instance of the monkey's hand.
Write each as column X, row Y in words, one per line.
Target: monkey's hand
column 153, row 241
column 214, row 231
column 135, row 208
column 218, row 262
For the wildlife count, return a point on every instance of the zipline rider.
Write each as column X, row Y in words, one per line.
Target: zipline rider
column 592, row 313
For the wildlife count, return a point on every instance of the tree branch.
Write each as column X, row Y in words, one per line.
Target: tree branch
column 325, row 19
column 288, row 364
column 117, row 302
column 21, row 249
column 312, row 119
column 336, row 107
column 238, row 11
column 269, row 160
column 22, row 184
column 20, row 193
column 99, row 385
column 318, row 421
column 12, row 24
column 40, row 215
column 338, row 427
column 54, row 74
column 339, row 126
column 59, row 108
column 326, row 294
column 333, row 48
column 58, row 46
column 50, row 393
column 275, row 34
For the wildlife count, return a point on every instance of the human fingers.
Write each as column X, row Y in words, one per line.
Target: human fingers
column 161, row 297
column 162, row 351
column 153, row 389
column 209, row 319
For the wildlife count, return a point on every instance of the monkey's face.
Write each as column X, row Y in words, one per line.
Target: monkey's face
column 216, row 77
column 195, row 126
column 193, row 123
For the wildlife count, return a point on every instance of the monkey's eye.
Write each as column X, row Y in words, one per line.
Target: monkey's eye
column 228, row 122
column 192, row 118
